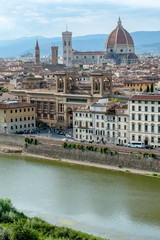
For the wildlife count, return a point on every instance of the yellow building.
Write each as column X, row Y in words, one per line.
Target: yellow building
column 140, row 85
column 16, row 117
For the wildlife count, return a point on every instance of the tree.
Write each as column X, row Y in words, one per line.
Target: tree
column 152, row 88
column 147, row 89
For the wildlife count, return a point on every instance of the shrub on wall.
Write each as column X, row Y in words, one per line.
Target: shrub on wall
column 101, row 150
column 110, row 153
column 64, row 144
column 144, row 154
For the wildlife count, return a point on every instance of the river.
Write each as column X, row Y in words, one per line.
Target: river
column 114, row 205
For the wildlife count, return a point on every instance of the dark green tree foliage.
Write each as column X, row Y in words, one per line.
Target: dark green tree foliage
column 152, row 88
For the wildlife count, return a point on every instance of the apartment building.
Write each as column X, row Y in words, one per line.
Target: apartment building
column 16, row 117
column 144, row 119
column 96, row 123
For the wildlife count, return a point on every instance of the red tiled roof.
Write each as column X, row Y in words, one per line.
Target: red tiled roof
column 15, row 105
column 146, row 97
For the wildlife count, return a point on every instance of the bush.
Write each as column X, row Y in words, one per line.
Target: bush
column 4, row 233
column 110, row 153
column 64, row 144
column 73, row 145
column 104, row 149
column 35, row 141
column 21, row 230
column 95, row 149
column 115, row 152
column 69, row 145
column 26, row 145
column 130, row 152
column 154, row 174
column 152, row 155
column 144, row 154
column 101, row 150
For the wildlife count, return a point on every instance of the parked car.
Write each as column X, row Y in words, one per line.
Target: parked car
column 65, row 139
column 148, row 146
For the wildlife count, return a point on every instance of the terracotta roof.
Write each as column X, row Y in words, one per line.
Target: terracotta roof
column 15, row 105
column 119, row 36
column 146, row 97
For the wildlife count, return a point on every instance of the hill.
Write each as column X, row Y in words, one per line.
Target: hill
column 145, row 42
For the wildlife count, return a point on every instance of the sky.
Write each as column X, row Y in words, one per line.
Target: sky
column 49, row 18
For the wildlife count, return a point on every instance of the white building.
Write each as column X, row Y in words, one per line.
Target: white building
column 144, row 119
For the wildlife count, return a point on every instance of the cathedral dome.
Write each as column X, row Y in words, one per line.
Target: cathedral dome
column 120, row 39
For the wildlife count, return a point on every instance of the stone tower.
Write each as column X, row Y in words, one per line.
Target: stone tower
column 67, row 48
column 54, row 55
column 37, row 54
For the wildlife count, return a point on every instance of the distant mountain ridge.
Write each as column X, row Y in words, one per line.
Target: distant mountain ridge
column 145, row 42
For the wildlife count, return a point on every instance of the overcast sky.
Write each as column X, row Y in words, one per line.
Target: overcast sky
column 24, row 18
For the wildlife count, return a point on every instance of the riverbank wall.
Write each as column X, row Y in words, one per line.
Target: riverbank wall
column 111, row 158
column 115, row 158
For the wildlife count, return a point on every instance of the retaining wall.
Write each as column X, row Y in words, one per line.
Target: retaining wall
column 122, row 159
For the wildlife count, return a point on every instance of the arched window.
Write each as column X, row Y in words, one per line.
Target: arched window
column 108, row 126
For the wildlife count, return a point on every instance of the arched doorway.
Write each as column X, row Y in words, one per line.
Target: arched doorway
column 146, row 141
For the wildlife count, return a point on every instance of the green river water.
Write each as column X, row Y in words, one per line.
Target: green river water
column 113, row 205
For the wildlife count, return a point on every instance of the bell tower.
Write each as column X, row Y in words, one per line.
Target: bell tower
column 37, row 54
column 67, row 48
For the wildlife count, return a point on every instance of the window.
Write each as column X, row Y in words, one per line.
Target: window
column 32, row 124
column 159, row 140
column 29, row 117
column 102, row 117
column 146, row 117
column 24, row 125
column 139, row 101
column 32, row 109
column 15, row 110
column 146, row 109
column 133, row 137
column 124, row 134
column 119, row 119
column 139, row 127
column 15, row 119
column 158, row 118
column 125, row 119
column 139, row 117
column 28, row 125
column 139, row 138
column 132, row 101
column 158, row 109
column 133, row 108
column 11, row 111
column 28, row 109
column 146, row 102
column 146, row 128
column 152, row 139
column 158, row 128
column 24, row 118
column 90, row 124
column 20, row 126
column 152, row 128
column 139, row 108
column 152, row 118
column 102, row 125
column 97, row 124
column 133, row 116
column 5, row 111
column 11, row 120
column 11, row 127
column 152, row 109
column 51, row 118
column 119, row 126
column 133, row 126
column 97, row 116
column 24, row 110
column 125, row 127
column 20, row 110
column 152, row 102
column 119, row 134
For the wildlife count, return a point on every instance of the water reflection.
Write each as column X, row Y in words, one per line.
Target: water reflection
column 115, row 205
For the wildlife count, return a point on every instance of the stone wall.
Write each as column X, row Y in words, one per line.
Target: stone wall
column 12, row 139
column 122, row 159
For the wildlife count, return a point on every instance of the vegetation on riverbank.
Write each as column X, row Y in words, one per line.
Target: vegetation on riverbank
column 15, row 225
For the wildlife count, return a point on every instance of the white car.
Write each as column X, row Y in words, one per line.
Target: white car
column 65, row 139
